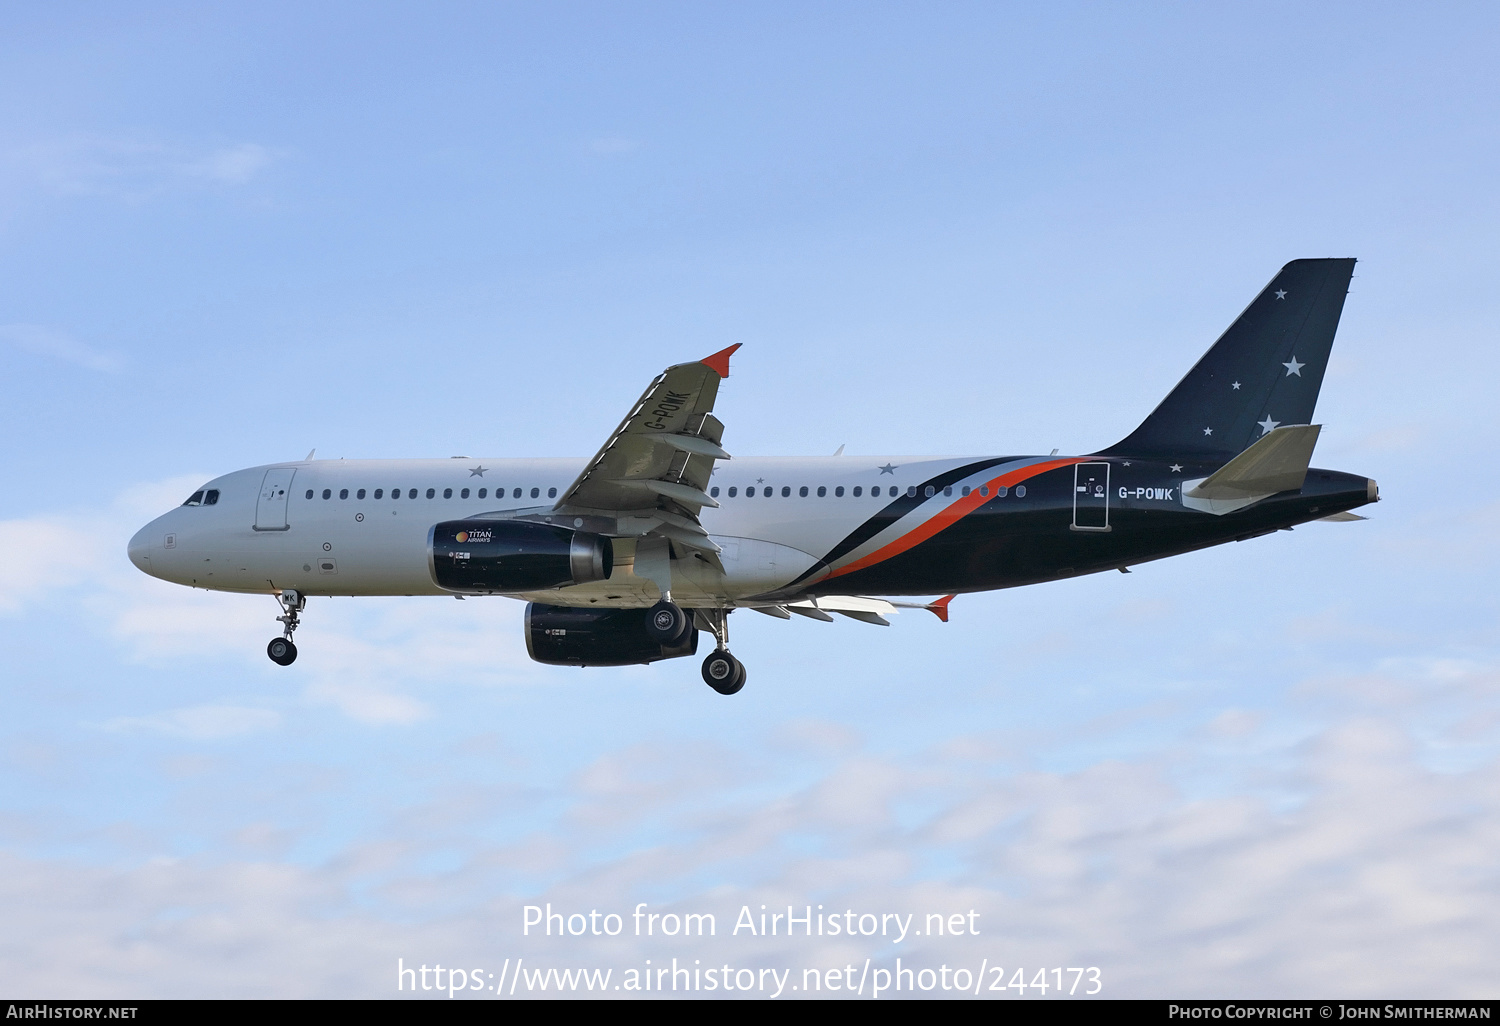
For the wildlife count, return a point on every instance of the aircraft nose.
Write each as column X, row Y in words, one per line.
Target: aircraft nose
column 139, row 550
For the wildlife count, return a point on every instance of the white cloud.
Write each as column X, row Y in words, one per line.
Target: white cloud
column 43, row 341
column 136, row 169
column 1382, row 883
column 201, row 723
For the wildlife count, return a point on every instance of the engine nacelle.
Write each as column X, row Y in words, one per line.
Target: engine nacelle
column 477, row 557
column 589, row 636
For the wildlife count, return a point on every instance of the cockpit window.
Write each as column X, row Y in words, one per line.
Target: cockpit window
column 196, row 499
column 211, row 497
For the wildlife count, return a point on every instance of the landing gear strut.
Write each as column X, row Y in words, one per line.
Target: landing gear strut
column 282, row 650
column 721, row 671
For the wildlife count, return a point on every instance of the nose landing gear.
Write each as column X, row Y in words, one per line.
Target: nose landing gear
column 721, row 671
column 282, row 650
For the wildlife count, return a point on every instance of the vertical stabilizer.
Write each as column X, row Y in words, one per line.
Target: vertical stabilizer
column 1262, row 373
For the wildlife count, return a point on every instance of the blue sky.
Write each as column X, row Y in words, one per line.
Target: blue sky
column 230, row 235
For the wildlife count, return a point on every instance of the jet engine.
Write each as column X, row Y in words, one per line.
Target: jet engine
column 589, row 636
column 481, row 556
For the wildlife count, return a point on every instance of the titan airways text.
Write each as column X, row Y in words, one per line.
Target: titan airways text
column 628, row 556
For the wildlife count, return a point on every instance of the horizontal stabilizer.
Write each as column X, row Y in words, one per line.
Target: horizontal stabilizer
column 1343, row 518
column 1276, row 463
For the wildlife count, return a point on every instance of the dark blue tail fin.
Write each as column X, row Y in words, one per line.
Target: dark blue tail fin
column 1263, row 372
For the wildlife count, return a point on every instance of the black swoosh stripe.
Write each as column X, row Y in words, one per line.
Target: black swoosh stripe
column 894, row 511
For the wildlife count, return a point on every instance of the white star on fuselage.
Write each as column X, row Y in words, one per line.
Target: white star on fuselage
column 1268, row 425
column 888, row 469
column 1208, row 431
column 1294, row 367
column 1281, row 293
column 1177, row 468
column 477, row 471
column 1235, row 386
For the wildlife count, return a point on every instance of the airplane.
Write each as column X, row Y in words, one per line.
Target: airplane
column 626, row 557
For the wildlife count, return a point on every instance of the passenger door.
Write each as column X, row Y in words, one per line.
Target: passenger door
column 275, row 490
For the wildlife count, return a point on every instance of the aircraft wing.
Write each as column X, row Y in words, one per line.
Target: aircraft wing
column 656, row 465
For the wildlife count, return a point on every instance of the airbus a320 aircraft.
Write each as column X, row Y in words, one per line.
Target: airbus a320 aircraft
column 626, row 557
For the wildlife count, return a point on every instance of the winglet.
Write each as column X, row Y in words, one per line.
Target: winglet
column 719, row 362
column 939, row 608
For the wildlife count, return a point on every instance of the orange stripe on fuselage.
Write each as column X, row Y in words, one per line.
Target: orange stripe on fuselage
column 952, row 514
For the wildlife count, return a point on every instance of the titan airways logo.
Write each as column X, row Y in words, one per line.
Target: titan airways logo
column 472, row 536
column 1147, row 493
column 667, row 408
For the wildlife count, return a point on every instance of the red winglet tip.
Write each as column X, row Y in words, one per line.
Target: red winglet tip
column 719, row 362
column 939, row 608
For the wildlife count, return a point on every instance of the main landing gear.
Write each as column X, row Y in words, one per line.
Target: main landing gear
column 669, row 624
column 721, row 671
column 282, row 650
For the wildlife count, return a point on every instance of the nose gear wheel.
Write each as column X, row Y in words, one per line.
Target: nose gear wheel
column 282, row 650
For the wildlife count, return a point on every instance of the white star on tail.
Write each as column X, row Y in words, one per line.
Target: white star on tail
column 1281, row 293
column 1176, row 468
column 1268, row 424
column 1235, row 386
column 1208, row 431
column 1294, row 367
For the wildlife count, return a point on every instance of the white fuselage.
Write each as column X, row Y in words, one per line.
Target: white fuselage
column 337, row 529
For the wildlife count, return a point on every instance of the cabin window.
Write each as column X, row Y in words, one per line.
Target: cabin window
column 911, row 491
column 411, row 493
column 985, row 489
column 822, row 491
column 464, row 494
column 431, row 493
column 196, row 499
column 714, row 491
column 1002, row 491
column 966, row 490
column 447, row 493
column 858, row 491
column 948, row 490
column 800, row 491
column 360, row 494
column 839, row 492
column 536, row 493
column 309, row 493
column 551, row 493
column 1020, row 491
column 343, row 493
column 395, row 493
column 929, row 491
column 483, row 492
column 327, row 493
column 379, row 493
column 733, row 491
column 786, row 491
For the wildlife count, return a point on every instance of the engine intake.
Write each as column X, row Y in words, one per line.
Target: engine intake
column 481, row 556
column 588, row 636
